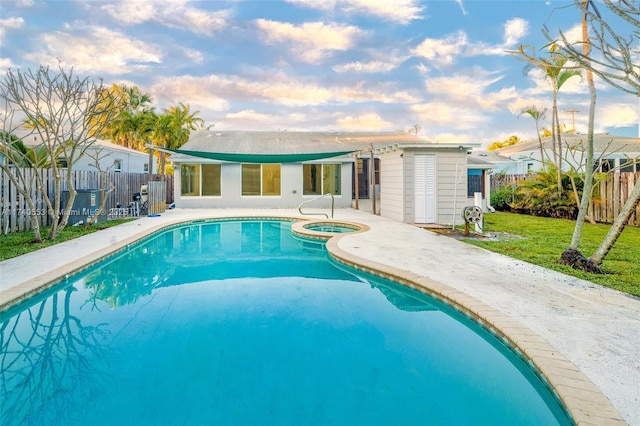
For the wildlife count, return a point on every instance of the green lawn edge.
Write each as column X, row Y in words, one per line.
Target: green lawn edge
column 18, row 243
column 541, row 241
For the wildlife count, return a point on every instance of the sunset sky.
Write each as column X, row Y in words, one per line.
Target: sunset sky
column 334, row 65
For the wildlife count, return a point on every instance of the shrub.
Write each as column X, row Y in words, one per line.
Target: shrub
column 504, row 198
column 541, row 196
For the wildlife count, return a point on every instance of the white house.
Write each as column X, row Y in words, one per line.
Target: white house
column 105, row 155
column 113, row 158
column 415, row 179
column 610, row 151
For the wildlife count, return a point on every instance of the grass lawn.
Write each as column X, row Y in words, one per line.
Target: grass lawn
column 19, row 243
column 544, row 239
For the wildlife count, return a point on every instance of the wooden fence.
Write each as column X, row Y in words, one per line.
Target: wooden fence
column 608, row 198
column 157, row 192
column 501, row 180
column 16, row 214
column 611, row 194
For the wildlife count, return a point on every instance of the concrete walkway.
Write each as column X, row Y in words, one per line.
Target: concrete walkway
column 558, row 322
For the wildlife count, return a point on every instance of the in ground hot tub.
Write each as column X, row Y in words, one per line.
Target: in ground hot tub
column 325, row 229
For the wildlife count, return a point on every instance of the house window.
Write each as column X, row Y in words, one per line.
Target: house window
column 320, row 179
column 331, row 179
column 261, row 179
column 190, row 180
column 200, row 180
column 474, row 182
column 607, row 165
column 376, row 171
column 312, row 179
column 117, row 165
column 211, row 179
column 629, row 165
column 146, row 167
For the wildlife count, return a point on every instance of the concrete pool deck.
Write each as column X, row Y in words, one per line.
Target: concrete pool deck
column 581, row 336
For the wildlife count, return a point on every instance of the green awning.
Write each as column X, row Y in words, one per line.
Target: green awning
column 260, row 158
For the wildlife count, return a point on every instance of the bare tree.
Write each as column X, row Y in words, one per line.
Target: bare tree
column 610, row 56
column 58, row 111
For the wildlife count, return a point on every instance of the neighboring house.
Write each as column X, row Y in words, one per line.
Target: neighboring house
column 610, row 152
column 414, row 179
column 112, row 158
column 481, row 165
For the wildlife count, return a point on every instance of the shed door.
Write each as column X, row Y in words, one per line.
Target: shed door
column 425, row 188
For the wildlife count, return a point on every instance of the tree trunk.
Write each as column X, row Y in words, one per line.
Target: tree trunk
column 19, row 181
column 588, row 172
column 58, row 221
column 618, row 226
column 542, row 159
column 35, row 223
column 557, row 144
column 33, row 217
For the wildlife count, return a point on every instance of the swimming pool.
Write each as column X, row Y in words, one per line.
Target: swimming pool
column 237, row 322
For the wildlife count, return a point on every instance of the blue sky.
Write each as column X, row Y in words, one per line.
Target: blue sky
column 335, row 65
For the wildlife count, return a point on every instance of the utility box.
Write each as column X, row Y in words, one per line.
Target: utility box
column 85, row 205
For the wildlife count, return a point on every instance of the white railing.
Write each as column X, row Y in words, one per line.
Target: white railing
column 318, row 198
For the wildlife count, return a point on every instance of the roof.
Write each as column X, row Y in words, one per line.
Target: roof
column 478, row 159
column 102, row 144
column 286, row 142
column 296, row 143
column 602, row 142
column 94, row 144
column 474, row 163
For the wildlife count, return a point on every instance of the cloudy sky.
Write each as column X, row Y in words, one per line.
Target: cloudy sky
column 335, row 65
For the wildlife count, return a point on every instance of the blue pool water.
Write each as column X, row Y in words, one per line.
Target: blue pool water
column 329, row 227
column 240, row 323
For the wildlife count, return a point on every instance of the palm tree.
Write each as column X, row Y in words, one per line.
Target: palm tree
column 512, row 140
column 19, row 154
column 555, row 71
column 173, row 127
column 110, row 102
column 164, row 133
column 131, row 124
column 184, row 121
column 134, row 99
column 133, row 130
column 537, row 114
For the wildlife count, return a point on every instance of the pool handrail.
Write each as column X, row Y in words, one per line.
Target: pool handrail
column 317, row 198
